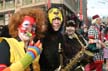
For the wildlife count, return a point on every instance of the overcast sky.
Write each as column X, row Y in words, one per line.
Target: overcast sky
column 97, row 7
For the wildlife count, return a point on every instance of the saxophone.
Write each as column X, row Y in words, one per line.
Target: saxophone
column 61, row 58
column 77, row 57
column 73, row 61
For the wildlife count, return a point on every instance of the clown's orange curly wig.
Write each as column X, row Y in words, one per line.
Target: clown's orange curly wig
column 17, row 18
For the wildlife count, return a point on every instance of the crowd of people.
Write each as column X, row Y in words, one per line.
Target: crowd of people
column 35, row 41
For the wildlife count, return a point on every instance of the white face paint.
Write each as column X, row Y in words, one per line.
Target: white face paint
column 56, row 24
column 25, row 31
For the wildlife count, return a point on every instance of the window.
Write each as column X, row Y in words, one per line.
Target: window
column 25, row 2
column 1, row 4
column 1, row 19
column 10, row 3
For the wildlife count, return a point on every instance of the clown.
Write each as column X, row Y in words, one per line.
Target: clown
column 20, row 51
column 27, row 28
column 95, row 44
column 49, row 59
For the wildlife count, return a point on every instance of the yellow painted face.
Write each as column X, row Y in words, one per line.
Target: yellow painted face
column 54, row 13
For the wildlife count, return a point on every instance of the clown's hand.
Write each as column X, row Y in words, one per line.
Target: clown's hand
column 32, row 52
column 35, row 49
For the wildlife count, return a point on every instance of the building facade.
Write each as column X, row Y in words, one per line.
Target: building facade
column 8, row 7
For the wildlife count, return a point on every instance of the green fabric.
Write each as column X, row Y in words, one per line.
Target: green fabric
column 92, row 47
column 26, row 60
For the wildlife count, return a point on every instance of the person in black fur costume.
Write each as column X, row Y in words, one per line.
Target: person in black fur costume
column 49, row 59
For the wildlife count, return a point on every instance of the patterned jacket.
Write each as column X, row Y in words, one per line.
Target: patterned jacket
column 95, row 34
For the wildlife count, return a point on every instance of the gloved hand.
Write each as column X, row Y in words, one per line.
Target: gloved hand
column 35, row 50
column 32, row 52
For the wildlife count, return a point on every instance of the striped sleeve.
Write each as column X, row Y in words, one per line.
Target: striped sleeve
column 91, row 33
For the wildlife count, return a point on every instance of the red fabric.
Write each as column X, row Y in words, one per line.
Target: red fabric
column 7, row 69
column 99, row 61
column 94, row 66
column 91, row 36
column 2, row 67
column 100, row 35
column 106, row 37
column 95, row 16
column 32, row 52
column 31, row 43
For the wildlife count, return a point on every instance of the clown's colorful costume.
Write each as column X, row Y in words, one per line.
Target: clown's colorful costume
column 95, row 45
column 21, row 52
column 16, row 54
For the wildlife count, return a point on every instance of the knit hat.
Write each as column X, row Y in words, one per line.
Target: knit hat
column 70, row 23
column 94, row 18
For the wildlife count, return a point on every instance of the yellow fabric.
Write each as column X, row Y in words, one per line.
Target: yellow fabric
column 16, row 49
column 17, row 52
column 36, row 65
column 17, row 67
column 1, row 39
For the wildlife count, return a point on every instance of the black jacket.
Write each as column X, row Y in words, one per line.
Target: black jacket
column 49, row 59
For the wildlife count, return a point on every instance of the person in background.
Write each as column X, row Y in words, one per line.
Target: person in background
column 106, row 48
column 20, row 53
column 84, row 32
column 74, row 43
column 5, row 31
column 49, row 59
column 96, row 44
